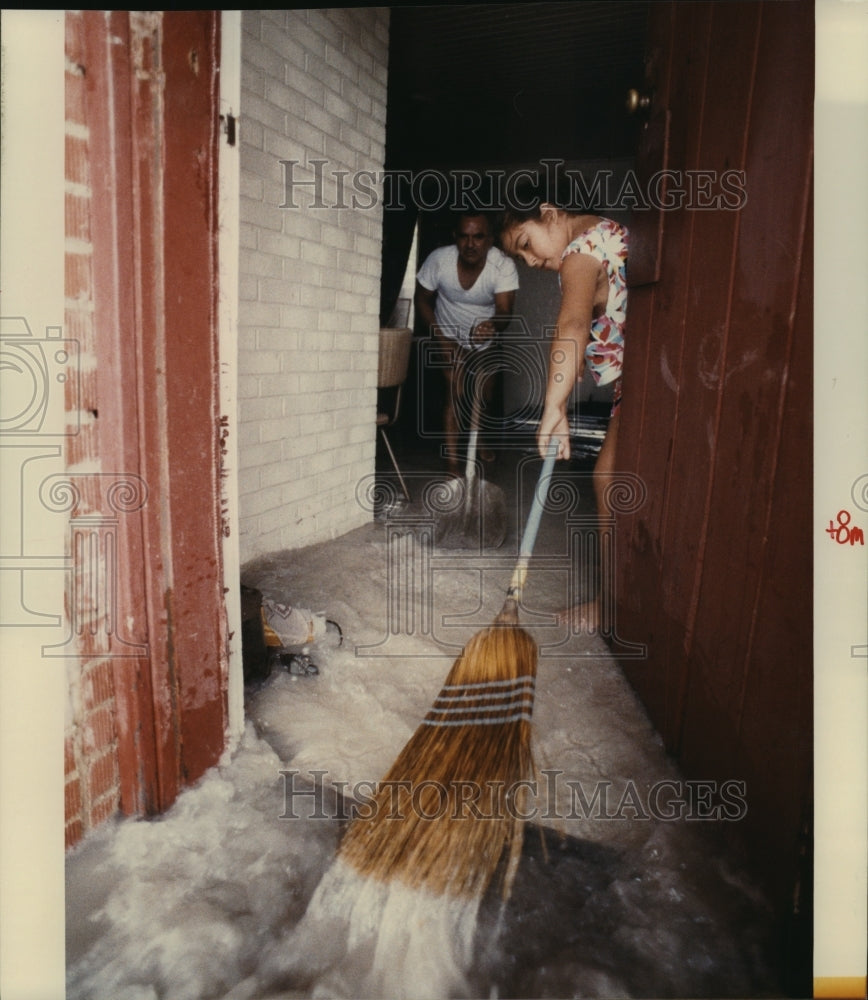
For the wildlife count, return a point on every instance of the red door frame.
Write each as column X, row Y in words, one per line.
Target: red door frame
column 152, row 83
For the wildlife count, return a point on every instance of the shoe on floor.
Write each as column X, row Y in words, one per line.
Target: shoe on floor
column 294, row 626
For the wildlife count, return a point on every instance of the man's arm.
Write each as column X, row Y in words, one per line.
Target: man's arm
column 485, row 329
column 424, row 301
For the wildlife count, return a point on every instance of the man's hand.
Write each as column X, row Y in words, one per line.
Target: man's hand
column 482, row 331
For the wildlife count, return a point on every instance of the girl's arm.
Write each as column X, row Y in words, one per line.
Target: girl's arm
column 580, row 276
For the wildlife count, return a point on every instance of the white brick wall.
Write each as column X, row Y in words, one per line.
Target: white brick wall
column 313, row 87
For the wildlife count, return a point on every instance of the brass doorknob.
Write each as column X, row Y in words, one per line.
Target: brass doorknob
column 636, row 101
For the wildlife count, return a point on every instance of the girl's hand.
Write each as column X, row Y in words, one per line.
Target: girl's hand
column 554, row 423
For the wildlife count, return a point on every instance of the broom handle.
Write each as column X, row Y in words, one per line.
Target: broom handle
column 528, row 539
column 470, row 464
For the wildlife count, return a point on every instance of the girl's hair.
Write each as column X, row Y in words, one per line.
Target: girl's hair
column 530, row 196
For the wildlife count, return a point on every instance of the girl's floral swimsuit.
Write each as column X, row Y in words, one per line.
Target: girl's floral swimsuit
column 604, row 355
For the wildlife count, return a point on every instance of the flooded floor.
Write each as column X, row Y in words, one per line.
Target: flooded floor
column 235, row 893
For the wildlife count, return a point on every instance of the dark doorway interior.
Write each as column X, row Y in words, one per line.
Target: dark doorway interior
column 499, row 84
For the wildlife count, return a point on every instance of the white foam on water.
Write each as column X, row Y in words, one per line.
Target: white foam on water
column 362, row 938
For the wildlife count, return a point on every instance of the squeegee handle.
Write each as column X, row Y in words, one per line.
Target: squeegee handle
column 528, row 539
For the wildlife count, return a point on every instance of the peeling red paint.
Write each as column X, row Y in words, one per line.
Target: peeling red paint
column 148, row 401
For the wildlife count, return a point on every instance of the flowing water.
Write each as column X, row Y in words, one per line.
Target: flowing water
column 235, row 892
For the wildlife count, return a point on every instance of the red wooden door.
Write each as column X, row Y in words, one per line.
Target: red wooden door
column 715, row 572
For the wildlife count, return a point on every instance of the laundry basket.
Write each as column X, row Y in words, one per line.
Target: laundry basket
column 395, row 343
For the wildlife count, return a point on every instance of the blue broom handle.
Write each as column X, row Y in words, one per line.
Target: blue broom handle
column 528, row 539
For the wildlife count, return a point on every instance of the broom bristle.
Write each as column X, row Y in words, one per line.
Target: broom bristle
column 450, row 810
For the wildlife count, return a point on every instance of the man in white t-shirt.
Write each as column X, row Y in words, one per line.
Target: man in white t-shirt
column 465, row 293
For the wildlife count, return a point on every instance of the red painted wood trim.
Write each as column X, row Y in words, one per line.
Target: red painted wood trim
column 147, row 170
column 108, row 85
column 190, row 62
column 152, row 82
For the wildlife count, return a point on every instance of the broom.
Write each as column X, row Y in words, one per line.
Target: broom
column 453, row 801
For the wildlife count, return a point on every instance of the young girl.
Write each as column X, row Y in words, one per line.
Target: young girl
column 590, row 255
